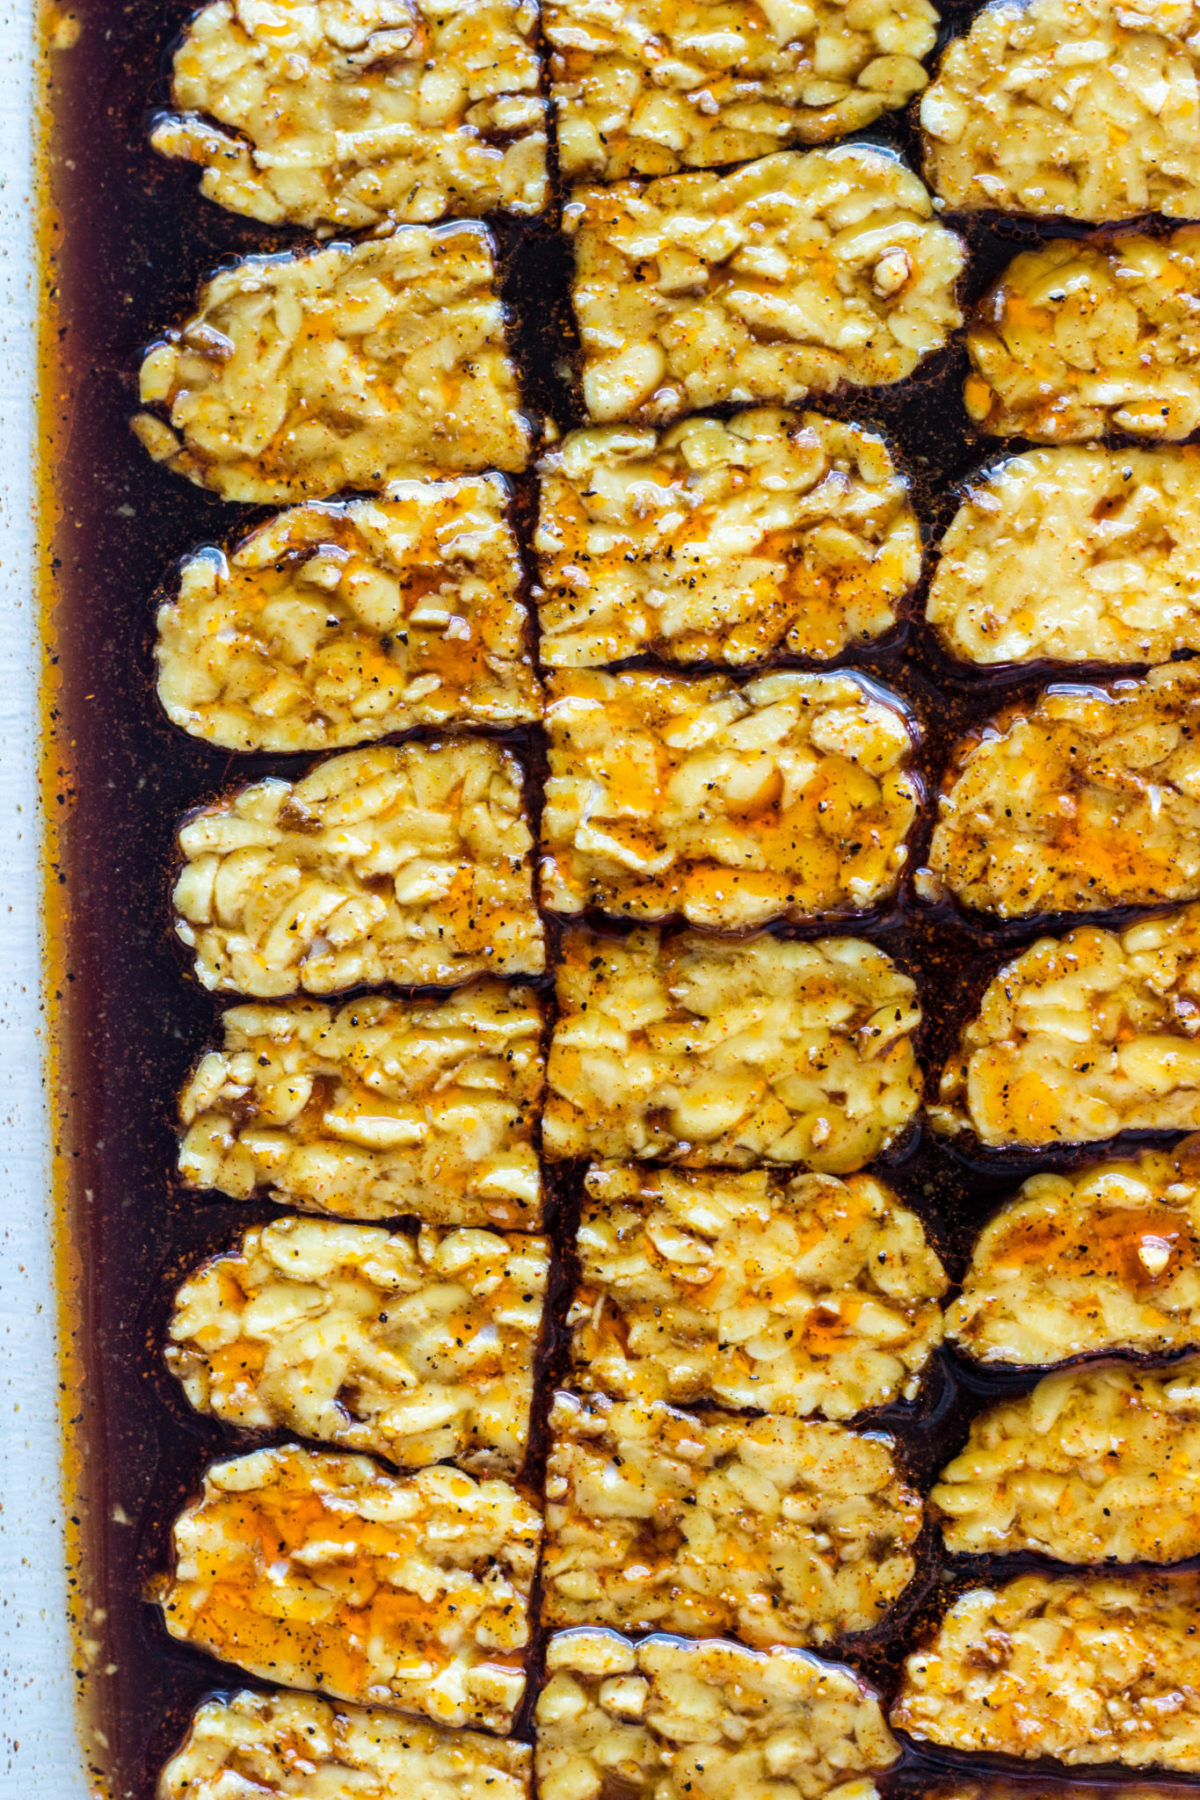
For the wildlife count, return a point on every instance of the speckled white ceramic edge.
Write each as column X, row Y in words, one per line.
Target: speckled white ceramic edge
column 40, row 1756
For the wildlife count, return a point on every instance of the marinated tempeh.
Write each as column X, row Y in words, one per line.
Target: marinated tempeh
column 1086, row 336
column 1086, row 1670
column 295, row 1747
column 416, row 1345
column 354, row 366
column 664, row 1720
column 643, row 89
column 327, row 1573
column 334, row 624
column 721, row 540
column 1077, row 555
column 1094, row 1464
column 818, row 1296
column 349, row 113
column 778, row 1531
column 692, row 1050
column 1077, row 109
column 382, row 1108
column 1083, row 1036
column 1105, row 1258
column 1084, row 799
column 790, row 797
column 408, row 864
column 796, row 275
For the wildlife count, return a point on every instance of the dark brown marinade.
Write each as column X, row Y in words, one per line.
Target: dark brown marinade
column 130, row 242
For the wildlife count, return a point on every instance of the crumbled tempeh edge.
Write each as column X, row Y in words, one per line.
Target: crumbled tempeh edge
column 1074, row 554
column 417, row 1345
column 1104, row 1258
column 1085, row 1669
column 295, row 1747
column 356, row 366
column 327, row 1573
column 1086, row 336
column 1077, row 109
column 381, row 1108
column 774, row 1529
column 409, row 864
column 694, row 1050
column 350, row 113
column 721, row 540
column 1094, row 1464
column 789, row 797
column 643, row 89
column 815, row 1296
column 1081, row 1037
column 666, row 1719
column 1082, row 799
column 795, row 275
column 334, row 624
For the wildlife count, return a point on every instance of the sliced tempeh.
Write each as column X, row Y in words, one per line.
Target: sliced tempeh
column 815, row 1296
column 349, row 113
column 1085, row 336
column 1105, row 1258
column 408, row 865
column 337, row 623
column 790, row 797
column 701, row 1051
column 665, row 1720
column 355, row 366
column 1082, row 799
column 641, row 89
column 1084, row 1036
column 329, row 1574
column 1077, row 109
column 774, row 1529
column 1083, row 1669
column 721, row 540
column 380, row 1108
column 416, row 1345
column 792, row 276
column 1095, row 1464
column 1077, row 555
column 295, row 1747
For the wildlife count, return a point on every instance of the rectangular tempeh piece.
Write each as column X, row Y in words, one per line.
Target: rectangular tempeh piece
column 334, row 624
column 790, row 797
column 774, row 1529
column 792, row 276
column 295, row 1747
column 1105, row 1258
column 354, row 366
column 404, row 864
column 1083, row 337
column 418, row 1346
column 380, row 1108
column 1081, row 1037
column 693, row 1050
column 1077, row 800
column 664, row 1720
column 354, row 112
column 721, row 540
column 1075, row 109
column 1077, row 554
column 327, row 1573
column 1094, row 1464
column 1083, row 1669
column 818, row 1296
column 641, row 89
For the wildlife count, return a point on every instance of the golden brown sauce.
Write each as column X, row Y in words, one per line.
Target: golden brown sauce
column 126, row 241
